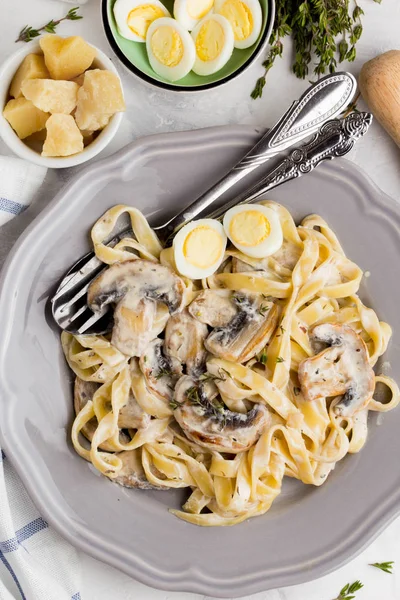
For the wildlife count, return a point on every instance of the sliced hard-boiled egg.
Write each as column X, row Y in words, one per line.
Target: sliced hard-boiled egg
column 199, row 248
column 133, row 17
column 245, row 17
column 213, row 40
column 254, row 229
column 190, row 12
column 170, row 49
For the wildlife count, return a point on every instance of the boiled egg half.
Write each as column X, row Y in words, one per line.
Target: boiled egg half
column 199, row 248
column 254, row 229
column 170, row 49
column 189, row 12
column 213, row 39
column 245, row 17
column 133, row 17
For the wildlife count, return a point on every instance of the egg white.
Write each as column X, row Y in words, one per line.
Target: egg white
column 122, row 8
column 266, row 247
column 208, row 67
column 185, row 267
column 255, row 9
column 175, row 72
column 182, row 13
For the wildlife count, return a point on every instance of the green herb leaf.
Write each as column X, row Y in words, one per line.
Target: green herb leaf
column 262, row 358
column 348, row 591
column 174, row 404
column 280, row 359
column 163, row 372
column 28, row 33
column 385, row 566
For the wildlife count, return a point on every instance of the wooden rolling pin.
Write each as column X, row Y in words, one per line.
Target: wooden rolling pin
column 379, row 83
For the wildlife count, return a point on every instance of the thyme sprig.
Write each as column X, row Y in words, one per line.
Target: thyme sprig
column 28, row 33
column 324, row 32
column 348, row 591
column 387, row 567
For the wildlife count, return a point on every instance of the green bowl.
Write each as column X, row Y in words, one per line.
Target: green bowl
column 134, row 56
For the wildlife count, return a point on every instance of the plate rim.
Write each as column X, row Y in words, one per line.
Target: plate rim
column 193, row 580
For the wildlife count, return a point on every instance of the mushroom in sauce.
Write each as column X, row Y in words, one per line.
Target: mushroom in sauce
column 135, row 286
column 340, row 367
column 206, row 421
column 160, row 370
column 243, row 323
column 132, row 474
column 184, row 341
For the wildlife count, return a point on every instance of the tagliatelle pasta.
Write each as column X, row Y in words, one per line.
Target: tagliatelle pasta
column 230, row 430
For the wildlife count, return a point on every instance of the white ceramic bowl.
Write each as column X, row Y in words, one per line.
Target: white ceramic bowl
column 9, row 136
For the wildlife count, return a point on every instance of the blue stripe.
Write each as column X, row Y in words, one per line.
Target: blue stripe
column 76, row 596
column 15, row 208
column 23, row 534
column 13, row 575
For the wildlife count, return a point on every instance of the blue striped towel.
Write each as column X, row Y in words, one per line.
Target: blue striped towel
column 19, row 183
column 36, row 563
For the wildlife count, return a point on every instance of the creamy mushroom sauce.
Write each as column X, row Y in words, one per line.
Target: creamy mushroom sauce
column 223, row 386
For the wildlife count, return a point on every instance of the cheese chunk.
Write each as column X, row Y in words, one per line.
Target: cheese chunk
column 51, row 96
column 99, row 98
column 63, row 136
column 32, row 67
column 24, row 117
column 66, row 58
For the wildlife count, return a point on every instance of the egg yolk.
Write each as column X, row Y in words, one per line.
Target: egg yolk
column 249, row 228
column 197, row 9
column 240, row 17
column 141, row 17
column 202, row 247
column 167, row 46
column 210, row 41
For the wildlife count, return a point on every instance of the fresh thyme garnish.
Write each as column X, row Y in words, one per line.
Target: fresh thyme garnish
column 282, row 329
column 280, row 359
column 162, row 371
column 262, row 358
column 385, row 566
column 216, row 406
column 296, row 391
column 348, row 591
column 28, row 33
column 315, row 27
column 174, row 404
column 263, row 309
column 226, row 373
column 238, row 299
column 192, row 394
column 210, row 377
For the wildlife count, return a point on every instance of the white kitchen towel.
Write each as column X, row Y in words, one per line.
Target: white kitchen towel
column 19, row 183
column 36, row 563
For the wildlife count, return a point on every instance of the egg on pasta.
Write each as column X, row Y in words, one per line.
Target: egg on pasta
column 254, row 229
column 245, row 17
column 133, row 17
column 199, row 248
column 190, row 12
column 213, row 39
column 170, row 49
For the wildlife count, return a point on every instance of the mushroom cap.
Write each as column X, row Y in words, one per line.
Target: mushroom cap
column 132, row 474
column 211, row 425
column 184, row 341
column 161, row 371
column 340, row 367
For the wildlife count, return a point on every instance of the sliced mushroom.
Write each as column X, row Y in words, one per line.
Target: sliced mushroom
column 248, row 332
column 184, row 341
column 135, row 286
column 160, row 370
column 132, row 474
column 341, row 368
column 214, row 308
column 210, row 424
column 131, row 416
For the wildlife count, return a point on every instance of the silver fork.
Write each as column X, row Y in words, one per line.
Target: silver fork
column 323, row 100
column 335, row 138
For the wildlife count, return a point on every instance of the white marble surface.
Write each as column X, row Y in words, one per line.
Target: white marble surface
column 152, row 111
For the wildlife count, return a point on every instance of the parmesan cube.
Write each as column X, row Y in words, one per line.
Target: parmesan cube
column 32, row 67
column 66, row 58
column 63, row 136
column 24, row 117
column 99, row 98
column 51, row 96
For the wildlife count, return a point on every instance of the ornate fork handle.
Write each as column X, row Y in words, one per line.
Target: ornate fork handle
column 335, row 138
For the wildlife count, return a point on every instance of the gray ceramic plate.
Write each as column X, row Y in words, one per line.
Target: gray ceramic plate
column 309, row 531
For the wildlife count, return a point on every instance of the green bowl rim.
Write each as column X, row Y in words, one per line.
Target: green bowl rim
column 166, row 86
